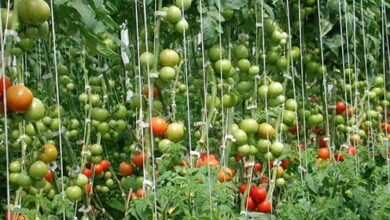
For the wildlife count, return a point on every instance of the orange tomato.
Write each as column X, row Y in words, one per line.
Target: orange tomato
column 126, row 169
column 158, row 125
column 19, row 98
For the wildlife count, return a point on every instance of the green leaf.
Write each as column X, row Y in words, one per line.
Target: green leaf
column 326, row 26
column 310, row 183
column 234, row 4
column 210, row 35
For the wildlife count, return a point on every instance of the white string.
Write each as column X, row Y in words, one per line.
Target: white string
column 224, row 127
column 348, row 62
column 384, row 28
column 187, row 92
column 371, row 137
column 343, row 66
column 265, row 76
column 356, row 82
column 4, row 39
column 140, row 129
column 369, row 128
column 205, row 118
column 150, row 106
column 325, row 85
column 58, row 103
column 294, row 87
column 303, row 83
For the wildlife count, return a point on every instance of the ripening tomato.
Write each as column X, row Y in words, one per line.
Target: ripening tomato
column 88, row 188
column 138, row 159
column 159, row 126
column 266, row 131
column 351, row 150
column 265, row 206
column 205, row 160
column 49, row 153
column 145, row 91
column 323, row 153
column 19, row 98
column 226, row 174
column 340, row 107
column 175, row 131
column 258, row 193
column 140, row 193
column 12, row 217
column 126, row 169
column 4, row 83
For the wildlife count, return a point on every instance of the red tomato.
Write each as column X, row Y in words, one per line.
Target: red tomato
column 265, row 207
column 138, row 159
column 338, row 157
column 294, row 129
column 258, row 193
column 98, row 169
column 322, row 142
column 105, row 164
column 323, row 153
column 284, row 164
column 257, row 166
column 264, row 179
column 88, row 165
column 340, row 107
column 243, row 188
column 238, row 157
column 159, row 126
column 49, row 176
column 4, row 83
column 19, row 98
column 317, row 130
column 87, row 172
column 351, row 150
column 385, row 127
column 250, row 204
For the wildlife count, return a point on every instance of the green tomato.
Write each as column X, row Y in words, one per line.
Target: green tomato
column 240, row 136
column 173, row 14
column 73, row 193
column 38, row 170
column 167, row 73
column 36, row 111
column 183, row 4
column 99, row 114
column 277, row 149
column 250, row 126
